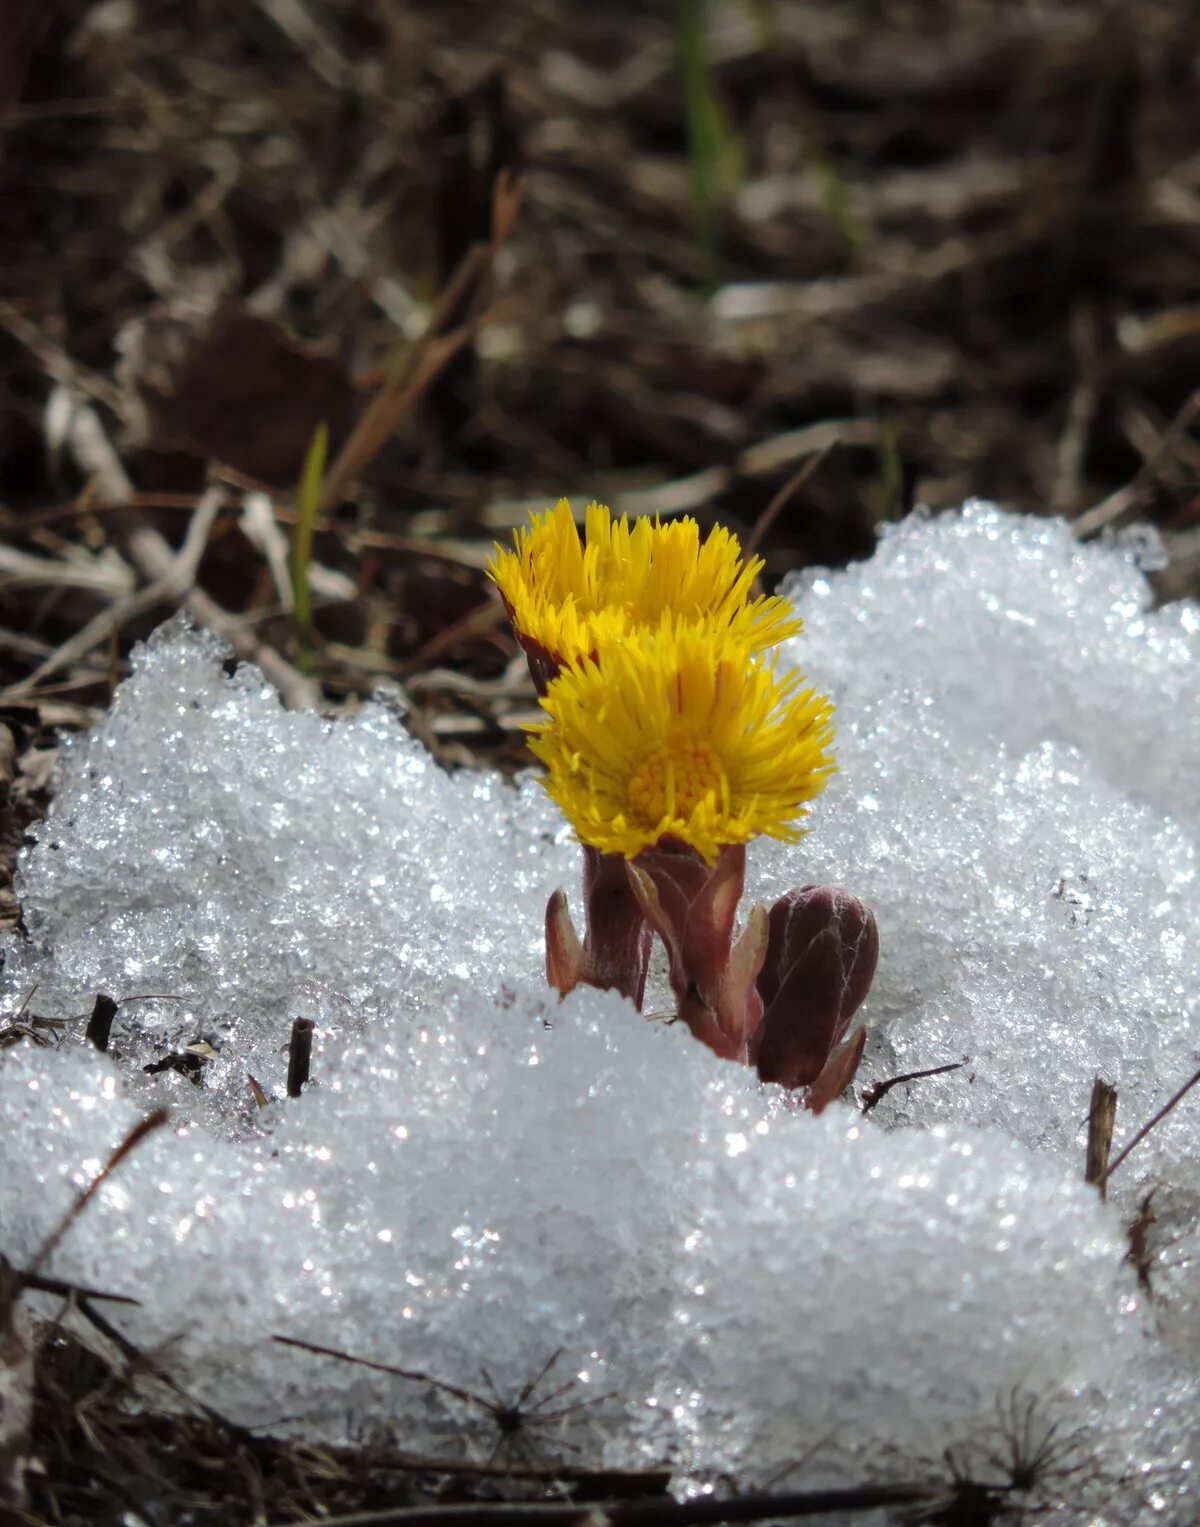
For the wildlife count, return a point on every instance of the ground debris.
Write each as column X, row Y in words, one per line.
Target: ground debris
column 930, row 251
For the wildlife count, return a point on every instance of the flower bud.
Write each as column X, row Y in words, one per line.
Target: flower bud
column 822, row 950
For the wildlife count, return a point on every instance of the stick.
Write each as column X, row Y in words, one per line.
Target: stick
column 784, row 496
column 46, row 1250
column 101, row 1022
column 683, row 494
column 414, row 1374
column 451, row 327
column 872, row 1095
column 41, row 1284
column 155, row 560
column 1146, row 1128
column 655, row 1513
column 1102, row 1115
column 1116, row 504
column 299, row 1055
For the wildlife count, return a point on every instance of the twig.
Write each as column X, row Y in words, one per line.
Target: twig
column 1139, row 1256
column 55, row 361
column 24, row 570
column 134, row 1354
column 654, row 1513
column 79, row 508
column 101, row 1022
column 1116, row 504
column 42, row 1284
column 1102, row 1116
column 310, row 39
column 415, row 1375
column 46, row 1250
column 480, row 620
column 299, row 1055
column 611, row 1483
column 784, row 496
column 132, row 1140
column 177, row 581
column 1081, row 411
column 872, row 1094
column 1150, row 1124
column 156, row 561
column 449, row 331
column 700, row 488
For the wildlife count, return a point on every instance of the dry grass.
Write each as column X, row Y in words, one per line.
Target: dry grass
column 962, row 259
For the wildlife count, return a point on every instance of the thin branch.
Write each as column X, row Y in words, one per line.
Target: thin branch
column 1150, row 1124
column 610, row 1483
column 155, row 560
column 132, row 1140
column 299, row 1055
column 101, row 1021
column 452, row 327
column 784, row 496
column 46, row 1250
column 415, row 1375
column 872, row 1095
column 695, row 491
column 1102, row 1117
column 40, row 1283
column 655, row 1513
column 1124, row 499
column 134, row 1355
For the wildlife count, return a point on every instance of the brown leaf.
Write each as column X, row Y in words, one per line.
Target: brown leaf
column 243, row 394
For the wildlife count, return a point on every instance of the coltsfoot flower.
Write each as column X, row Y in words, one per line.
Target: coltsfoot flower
column 670, row 743
column 672, row 750
column 681, row 734
column 570, row 598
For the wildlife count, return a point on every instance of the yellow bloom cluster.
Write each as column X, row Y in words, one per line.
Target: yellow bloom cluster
column 571, row 598
column 664, row 720
column 680, row 734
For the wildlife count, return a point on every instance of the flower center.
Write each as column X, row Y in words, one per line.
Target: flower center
column 673, row 781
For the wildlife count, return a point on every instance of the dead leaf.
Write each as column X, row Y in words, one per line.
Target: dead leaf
column 235, row 390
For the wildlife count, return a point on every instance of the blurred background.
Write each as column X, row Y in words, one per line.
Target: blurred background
column 796, row 265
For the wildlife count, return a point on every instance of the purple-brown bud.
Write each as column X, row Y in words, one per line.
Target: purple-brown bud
column 615, row 950
column 822, row 950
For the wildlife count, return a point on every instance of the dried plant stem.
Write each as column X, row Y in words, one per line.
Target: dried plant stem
column 101, row 1022
column 155, row 560
column 46, row 1250
column 785, row 495
column 308, row 498
column 452, row 327
column 878, row 1090
column 1151, row 1123
column 299, row 1055
column 1102, row 1116
column 654, row 1513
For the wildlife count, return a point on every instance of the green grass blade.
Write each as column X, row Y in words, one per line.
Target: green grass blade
column 308, row 499
column 714, row 153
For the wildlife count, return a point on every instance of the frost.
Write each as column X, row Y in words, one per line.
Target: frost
column 479, row 1176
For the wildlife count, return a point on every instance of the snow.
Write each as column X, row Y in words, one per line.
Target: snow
column 478, row 1176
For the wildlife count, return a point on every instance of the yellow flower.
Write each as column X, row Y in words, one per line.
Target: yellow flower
column 682, row 733
column 570, row 598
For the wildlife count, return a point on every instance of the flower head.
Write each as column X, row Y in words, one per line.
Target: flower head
column 570, row 599
column 679, row 733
